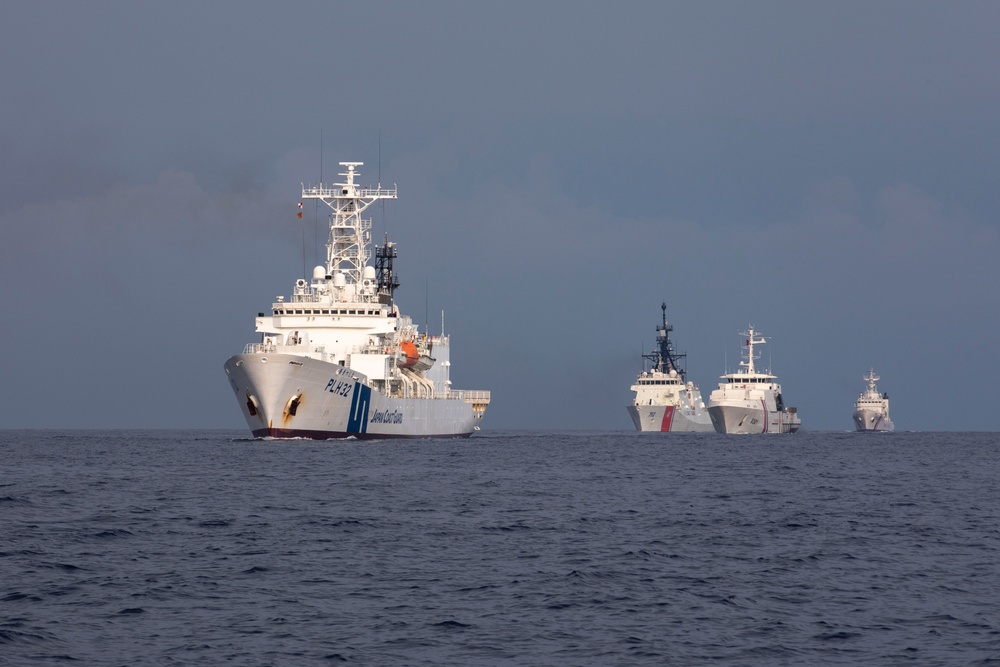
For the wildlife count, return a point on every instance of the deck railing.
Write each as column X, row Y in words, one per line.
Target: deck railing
column 471, row 395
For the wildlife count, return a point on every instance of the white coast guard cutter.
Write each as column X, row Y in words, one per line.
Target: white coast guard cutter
column 749, row 401
column 871, row 410
column 337, row 359
column 664, row 399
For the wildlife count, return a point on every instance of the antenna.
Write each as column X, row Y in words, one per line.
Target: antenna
column 381, row 204
column 665, row 359
column 316, row 208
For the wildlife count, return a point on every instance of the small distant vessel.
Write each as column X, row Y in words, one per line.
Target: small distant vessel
column 339, row 360
column 749, row 401
column 871, row 410
column 664, row 400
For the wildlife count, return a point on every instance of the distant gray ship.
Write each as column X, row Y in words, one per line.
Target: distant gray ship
column 871, row 410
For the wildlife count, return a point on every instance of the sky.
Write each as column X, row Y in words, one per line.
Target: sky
column 827, row 172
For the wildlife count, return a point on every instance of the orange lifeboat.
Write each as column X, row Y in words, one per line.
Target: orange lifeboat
column 409, row 355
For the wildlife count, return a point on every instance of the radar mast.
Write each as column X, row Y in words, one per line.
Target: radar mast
column 350, row 234
column 664, row 358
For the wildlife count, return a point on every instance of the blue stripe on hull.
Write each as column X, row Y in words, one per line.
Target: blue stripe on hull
column 357, row 422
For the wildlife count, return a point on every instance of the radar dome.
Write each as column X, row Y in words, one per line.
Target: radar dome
column 319, row 273
column 368, row 273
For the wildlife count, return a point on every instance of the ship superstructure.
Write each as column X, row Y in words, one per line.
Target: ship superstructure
column 749, row 401
column 338, row 359
column 871, row 410
column 664, row 399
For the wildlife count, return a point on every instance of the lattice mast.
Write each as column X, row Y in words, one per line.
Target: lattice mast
column 664, row 358
column 347, row 250
column 388, row 281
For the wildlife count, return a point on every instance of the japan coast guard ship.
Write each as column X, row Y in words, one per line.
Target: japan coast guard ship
column 871, row 410
column 337, row 359
column 748, row 401
column 664, row 401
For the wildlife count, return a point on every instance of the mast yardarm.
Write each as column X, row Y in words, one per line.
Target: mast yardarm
column 665, row 359
column 350, row 233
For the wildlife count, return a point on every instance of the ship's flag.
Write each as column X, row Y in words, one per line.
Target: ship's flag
column 300, row 209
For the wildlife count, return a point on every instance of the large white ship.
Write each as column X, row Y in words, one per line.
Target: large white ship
column 749, row 401
column 337, row 359
column 664, row 400
column 871, row 410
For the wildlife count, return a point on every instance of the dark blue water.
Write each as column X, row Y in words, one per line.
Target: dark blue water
column 510, row 548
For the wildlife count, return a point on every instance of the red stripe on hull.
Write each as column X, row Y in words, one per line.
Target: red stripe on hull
column 668, row 417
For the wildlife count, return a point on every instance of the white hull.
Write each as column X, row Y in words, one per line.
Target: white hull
column 745, row 417
column 664, row 400
column 872, row 420
column 338, row 359
column 668, row 418
column 749, row 401
column 289, row 396
column 871, row 410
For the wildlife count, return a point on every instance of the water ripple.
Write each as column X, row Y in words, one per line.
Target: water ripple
column 193, row 547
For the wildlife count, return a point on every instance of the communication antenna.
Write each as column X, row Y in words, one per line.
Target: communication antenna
column 304, row 251
column 382, row 203
column 316, row 208
column 665, row 359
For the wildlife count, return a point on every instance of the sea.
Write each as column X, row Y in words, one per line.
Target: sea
column 175, row 547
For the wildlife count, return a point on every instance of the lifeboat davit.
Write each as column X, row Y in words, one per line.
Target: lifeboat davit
column 408, row 355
